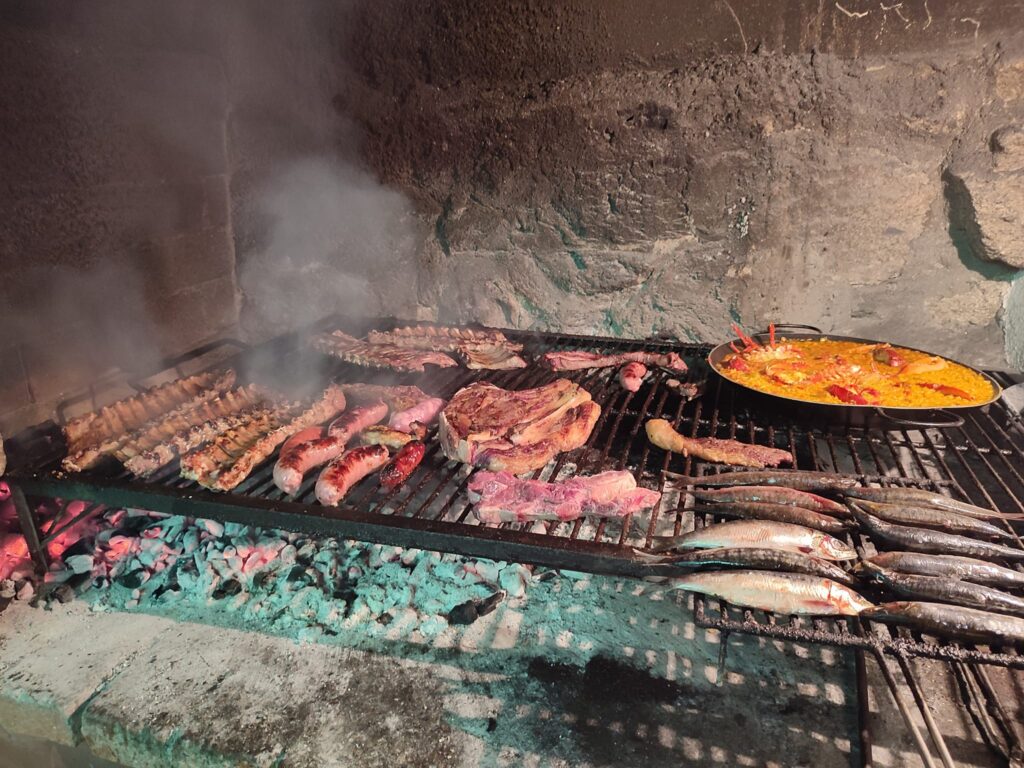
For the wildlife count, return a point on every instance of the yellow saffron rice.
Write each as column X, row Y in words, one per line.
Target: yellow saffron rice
column 805, row 369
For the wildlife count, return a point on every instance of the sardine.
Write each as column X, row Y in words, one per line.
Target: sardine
column 951, row 621
column 786, row 593
column 797, row 480
column 952, row 566
column 919, row 496
column 772, row 494
column 929, row 517
column 932, row 542
column 751, row 557
column 945, row 590
column 761, row 534
column 780, row 513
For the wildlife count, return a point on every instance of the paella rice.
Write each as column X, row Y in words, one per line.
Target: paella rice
column 849, row 372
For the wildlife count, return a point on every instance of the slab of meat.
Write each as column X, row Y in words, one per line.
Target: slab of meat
column 423, row 413
column 148, row 433
column 352, row 350
column 405, row 462
column 577, row 361
column 518, row 431
column 734, row 452
column 398, row 398
column 441, row 338
column 500, row 497
column 347, row 470
column 301, row 457
column 320, row 411
column 206, row 460
column 631, row 376
column 490, row 357
column 118, row 419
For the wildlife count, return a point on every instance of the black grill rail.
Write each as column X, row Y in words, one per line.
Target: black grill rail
column 980, row 461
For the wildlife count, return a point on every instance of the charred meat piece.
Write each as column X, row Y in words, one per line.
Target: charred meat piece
column 397, row 398
column 402, row 465
column 348, row 469
column 517, row 431
column 500, row 497
column 320, row 411
column 386, row 436
column 631, row 376
column 304, row 456
column 490, row 357
column 661, row 433
column 203, row 462
column 352, row 350
column 577, row 361
column 132, row 412
column 423, row 413
column 440, row 338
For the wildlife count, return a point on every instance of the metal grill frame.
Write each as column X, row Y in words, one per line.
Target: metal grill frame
column 981, row 461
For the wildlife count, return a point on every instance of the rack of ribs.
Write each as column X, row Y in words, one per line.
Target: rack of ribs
column 477, row 349
column 87, row 453
column 519, row 431
column 352, row 350
column 132, row 412
column 575, row 360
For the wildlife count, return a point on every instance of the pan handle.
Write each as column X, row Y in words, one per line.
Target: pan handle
column 800, row 326
column 955, row 420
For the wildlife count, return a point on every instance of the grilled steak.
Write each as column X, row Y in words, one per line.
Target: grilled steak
column 132, row 412
column 500, row 497
column 516, row 431
column 352, row 350
column 576, row 361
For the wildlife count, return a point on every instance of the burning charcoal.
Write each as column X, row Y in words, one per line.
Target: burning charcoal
column 385, row 618
column 23, row 590
column 132, row 580
column 288, row 554
column 64, row 594
column 79, row 563
column 512, row 581
column 7, row 589
column 212, row 527
column 229, row 588
column 471, row 610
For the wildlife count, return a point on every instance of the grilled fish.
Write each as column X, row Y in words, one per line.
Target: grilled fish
column 760, row 534
column 919, row 497
column 787, row 593
column 772, row 494
column 752, row 558
column 929, row 517
column 933, row 542
column 780, row 513
column 798, row 480
column 945, row 590
column 951, row 621
column 952, row 566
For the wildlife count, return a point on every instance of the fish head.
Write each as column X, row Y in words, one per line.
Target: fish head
column 833, row 548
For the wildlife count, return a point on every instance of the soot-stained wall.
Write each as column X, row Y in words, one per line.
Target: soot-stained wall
column 664, row 166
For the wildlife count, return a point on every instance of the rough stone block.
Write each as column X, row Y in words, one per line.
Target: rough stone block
column 52, row 662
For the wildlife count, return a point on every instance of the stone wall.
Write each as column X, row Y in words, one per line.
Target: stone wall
column 625, row 169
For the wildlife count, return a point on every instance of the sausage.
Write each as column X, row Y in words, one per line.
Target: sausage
column 351, row 423
column 347, row 470
column 405, row 461
column 295, row 463
column 424, row 413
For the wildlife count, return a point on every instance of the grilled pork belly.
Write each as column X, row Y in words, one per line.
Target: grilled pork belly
column 352, row 350
column 89, row 454
column 323, row 409
column 577, row 361
column 518, row 431
column 132, row 412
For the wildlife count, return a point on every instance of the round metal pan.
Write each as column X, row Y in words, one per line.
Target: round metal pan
column 845, row 412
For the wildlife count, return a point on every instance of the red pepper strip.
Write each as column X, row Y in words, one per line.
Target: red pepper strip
column 771, row 334
column 846, row 394
column 400, row 467
column 946, row 390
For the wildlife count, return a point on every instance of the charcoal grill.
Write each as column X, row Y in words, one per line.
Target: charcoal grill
column 979, row 461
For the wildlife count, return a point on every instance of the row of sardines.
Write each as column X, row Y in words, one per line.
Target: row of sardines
column 945, row 569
